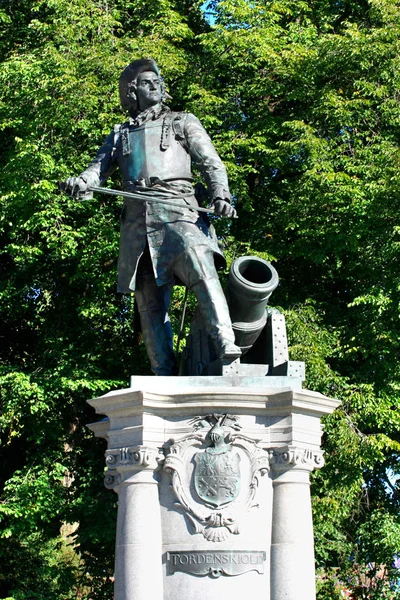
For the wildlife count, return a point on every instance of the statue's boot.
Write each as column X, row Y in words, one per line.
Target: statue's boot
column 214, row 308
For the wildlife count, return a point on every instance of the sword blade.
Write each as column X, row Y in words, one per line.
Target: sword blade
column 142, row 198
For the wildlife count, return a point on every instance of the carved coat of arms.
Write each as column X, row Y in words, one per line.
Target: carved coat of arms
column 217, row 472
column 219, row 499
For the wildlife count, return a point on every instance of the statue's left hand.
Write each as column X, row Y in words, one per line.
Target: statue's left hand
column 222, row 208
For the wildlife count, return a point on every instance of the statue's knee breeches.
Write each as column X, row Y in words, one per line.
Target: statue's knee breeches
column 196, row 269
column 151, row 297
column 194, row 265
column 153, row 302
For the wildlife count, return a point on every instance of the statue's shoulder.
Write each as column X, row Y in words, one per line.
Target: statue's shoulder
column 183, row 122
column 183, row 116
column 120, row 126
column 175, row 115
column 118, row 136
column 116, row 130
column 178, row 121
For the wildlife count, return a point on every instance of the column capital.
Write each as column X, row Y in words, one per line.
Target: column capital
column 130, row 462
column 289, row 458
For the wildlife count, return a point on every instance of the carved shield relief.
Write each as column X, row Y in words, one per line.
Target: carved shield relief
column 216, row 486
column 217, row 476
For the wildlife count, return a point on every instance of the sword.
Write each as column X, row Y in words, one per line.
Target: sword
column 143, row 197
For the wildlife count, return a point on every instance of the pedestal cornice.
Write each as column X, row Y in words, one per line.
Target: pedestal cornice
column 231, row 393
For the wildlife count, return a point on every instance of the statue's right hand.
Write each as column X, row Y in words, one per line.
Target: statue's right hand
column 76, row 187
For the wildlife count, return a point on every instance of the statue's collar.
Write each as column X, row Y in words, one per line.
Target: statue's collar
column 151, row 114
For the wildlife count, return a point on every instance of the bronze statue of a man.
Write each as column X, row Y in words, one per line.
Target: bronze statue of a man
column 162, row 244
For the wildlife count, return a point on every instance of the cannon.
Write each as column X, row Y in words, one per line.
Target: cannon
column 260, row 331
column 251, row 282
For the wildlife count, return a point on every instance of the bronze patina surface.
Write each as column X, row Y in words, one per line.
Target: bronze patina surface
column 161, row 244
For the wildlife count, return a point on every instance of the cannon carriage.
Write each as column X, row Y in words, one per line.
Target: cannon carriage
column 260, row 331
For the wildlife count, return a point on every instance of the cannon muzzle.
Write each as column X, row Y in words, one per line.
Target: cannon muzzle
column 251, row 282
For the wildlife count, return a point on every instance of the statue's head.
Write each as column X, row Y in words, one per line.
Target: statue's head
column 141, row 86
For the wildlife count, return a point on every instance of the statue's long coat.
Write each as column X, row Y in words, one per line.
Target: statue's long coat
column 158, row 153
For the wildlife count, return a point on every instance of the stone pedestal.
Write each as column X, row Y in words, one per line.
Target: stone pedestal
column 212, row 475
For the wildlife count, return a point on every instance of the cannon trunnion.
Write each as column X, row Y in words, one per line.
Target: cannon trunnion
column 260, row 332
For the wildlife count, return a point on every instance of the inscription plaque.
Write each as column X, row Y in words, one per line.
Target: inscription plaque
column 216, row 562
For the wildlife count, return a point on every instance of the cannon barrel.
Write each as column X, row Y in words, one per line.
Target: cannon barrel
column 251, row 282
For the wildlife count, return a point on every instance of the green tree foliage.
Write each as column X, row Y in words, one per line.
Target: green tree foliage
column 302, row 101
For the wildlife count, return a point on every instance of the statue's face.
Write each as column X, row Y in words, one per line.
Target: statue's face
column 148, row 90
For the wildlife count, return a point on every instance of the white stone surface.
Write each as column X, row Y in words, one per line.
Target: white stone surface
column 138, row 563
column 292, row 544
column 160, row 511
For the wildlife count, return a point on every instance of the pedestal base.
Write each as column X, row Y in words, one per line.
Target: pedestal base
column 213, row 481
